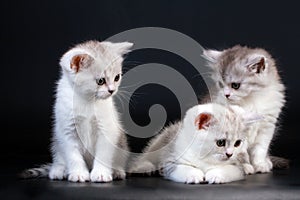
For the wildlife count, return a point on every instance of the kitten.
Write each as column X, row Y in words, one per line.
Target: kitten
column 249, row 78
column 208, row 145
column 88, row 142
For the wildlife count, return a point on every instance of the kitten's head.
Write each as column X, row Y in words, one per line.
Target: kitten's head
column 220, row 131
column 241, row 71
column 95, row 68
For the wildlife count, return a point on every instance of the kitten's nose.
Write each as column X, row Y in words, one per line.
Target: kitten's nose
column 227, row 95
column 111, row 91
column 228, row 155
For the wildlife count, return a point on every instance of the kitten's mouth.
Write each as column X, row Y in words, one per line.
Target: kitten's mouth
column 232, row 101
column 102, row 96
column 224, row 158
column 229, row 99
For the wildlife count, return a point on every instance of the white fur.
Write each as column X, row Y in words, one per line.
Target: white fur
column 183, row 153
column 87, row 131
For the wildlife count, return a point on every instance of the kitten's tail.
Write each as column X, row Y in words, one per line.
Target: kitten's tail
column 37, row 172
column 280, row 163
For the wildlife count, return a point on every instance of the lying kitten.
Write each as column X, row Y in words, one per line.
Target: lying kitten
column 249, row 78
column 209, row 145
column 87, row 132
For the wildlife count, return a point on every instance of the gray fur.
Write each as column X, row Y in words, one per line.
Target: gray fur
column 260, row 90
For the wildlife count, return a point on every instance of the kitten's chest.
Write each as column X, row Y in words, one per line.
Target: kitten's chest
column 91, row 118
column 85, row 124
column 267, row 102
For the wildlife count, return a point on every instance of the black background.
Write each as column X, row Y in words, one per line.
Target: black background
column 34, row 35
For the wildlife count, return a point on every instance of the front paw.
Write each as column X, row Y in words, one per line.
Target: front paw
column 190, row 176
column 248, row 169
column 119, row 174
column 262, row 167
column 79, row 176
column 194, row 178
column 101, row 175
column 57, row 172
column 215, row 176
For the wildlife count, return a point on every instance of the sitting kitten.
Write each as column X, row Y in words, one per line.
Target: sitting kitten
column 209, row 145
column 249, row 78
column 87, row 132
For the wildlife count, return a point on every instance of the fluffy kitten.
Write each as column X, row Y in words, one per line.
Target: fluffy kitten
column 88, row 142
column 209, row 145
column 249, row 78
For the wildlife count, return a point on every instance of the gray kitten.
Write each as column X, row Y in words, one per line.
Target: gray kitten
column 248, row 77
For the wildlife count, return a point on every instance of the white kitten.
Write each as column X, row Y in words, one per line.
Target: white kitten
column 88, row 141
column 209, row 145
column 249, row 78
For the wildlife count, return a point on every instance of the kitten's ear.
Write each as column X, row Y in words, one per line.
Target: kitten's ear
column 257, row 64
column 120, row 48
column 212, row 55
column 80, row 61
column 203, row 121
column 75, row 59
column 250, row 118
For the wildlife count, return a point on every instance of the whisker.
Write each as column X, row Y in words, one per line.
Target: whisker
column 128, row 86
column 126, row 100
column 120, row 99
column 130, row 99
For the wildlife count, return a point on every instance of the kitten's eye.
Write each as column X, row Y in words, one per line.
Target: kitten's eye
column 221, row 143
column 117, row 78
column 237, row 143
column 235, row 85
column 101, row 81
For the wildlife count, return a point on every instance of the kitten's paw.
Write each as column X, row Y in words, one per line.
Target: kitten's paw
column 57, row 172
column 79, row 176
column 119, row 174
column 101, row 175
column 215, row 176
column 192, row 176
column 194, row 179
column 262, row 167
column 145, row 167
column 248, row 169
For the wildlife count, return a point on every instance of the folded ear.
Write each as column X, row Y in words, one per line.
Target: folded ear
column 203, row 121
column 80, row 61
column 75, row 60
column 250, row 118
column 257, row 64
column 212, row 55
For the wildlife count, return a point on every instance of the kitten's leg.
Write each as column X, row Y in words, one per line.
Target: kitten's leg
column 259, row 152
column 120, row 159
column 245, row 161
column 58, row 167
column 224, row 174
column 76, row 167
column 119, row 167
column 183, row 173
column 104, row 156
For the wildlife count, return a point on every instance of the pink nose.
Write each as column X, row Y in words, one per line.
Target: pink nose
column 227, row 95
